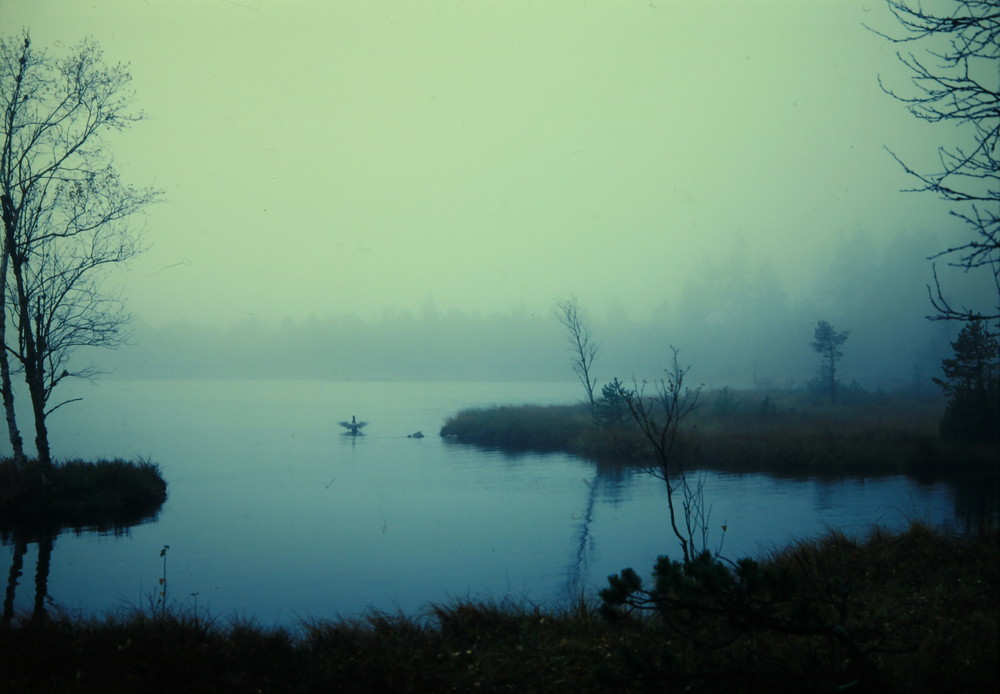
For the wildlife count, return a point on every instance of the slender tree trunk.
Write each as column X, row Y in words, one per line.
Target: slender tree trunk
column 32, row 358
column 6, row 387
column 41, row 430
column 16, row 442
column 36, row 387
column 833, row 376
column 11, row 217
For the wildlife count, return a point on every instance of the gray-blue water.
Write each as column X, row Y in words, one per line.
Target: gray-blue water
column 274, row 514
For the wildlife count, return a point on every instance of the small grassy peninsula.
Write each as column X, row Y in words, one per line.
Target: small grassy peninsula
column 779, row 432
column 103, row 494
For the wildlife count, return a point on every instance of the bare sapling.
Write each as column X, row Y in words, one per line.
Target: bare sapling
column 582, row 345
column 659, row 417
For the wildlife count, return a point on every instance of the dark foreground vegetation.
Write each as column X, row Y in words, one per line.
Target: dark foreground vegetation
column 105, row 494
column 920, row 610
column 780, row 432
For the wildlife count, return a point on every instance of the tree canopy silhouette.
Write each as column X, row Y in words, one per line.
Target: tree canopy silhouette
column 66, row 217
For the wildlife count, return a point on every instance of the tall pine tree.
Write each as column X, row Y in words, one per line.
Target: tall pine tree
column 827, row 342
column 972, row 381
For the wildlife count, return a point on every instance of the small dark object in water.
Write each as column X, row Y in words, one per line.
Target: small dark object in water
column 353, row 427
column 415, row 435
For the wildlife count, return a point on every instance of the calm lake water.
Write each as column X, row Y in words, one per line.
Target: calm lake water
column 274, row 514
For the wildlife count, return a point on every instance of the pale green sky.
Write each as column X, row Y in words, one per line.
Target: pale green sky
column 323, row 157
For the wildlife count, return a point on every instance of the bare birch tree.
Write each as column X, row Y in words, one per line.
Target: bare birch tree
column 581, row 343
column 65, row 217
column 660, row 417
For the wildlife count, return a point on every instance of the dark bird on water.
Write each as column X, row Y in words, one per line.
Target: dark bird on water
column 353, row 427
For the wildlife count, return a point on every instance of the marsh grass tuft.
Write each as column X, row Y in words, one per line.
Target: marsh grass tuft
column 105, row 494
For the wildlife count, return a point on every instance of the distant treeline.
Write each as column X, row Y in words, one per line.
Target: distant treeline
column 451, row 347
column 734, row 322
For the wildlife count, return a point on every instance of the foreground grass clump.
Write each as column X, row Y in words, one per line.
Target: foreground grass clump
column 75, row 493
column 781, row 432
column 892, row 612
column 923, row 606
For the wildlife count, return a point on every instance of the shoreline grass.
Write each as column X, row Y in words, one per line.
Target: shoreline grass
column 923, row 606
column 105, row 494
column 776, row 432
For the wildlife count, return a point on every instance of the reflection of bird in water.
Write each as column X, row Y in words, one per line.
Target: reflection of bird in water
column 353, row 427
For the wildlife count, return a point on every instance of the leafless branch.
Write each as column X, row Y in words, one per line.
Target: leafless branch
column 957, row 82
column 659, row 417
column 581, row 343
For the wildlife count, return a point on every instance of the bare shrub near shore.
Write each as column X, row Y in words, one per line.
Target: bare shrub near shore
column 659, row 418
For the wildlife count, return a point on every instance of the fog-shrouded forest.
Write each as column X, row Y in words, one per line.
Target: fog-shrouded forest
column 736, row 322
column 266, row 225
column 427, row 182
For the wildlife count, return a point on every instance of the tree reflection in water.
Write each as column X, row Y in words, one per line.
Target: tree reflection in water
column 19, row 536
column 45, row 538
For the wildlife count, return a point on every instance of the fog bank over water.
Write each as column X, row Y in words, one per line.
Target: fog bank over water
column 344, row 158
column 734, row 321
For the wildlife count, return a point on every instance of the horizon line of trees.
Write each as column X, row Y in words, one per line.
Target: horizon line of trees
column 746, row 331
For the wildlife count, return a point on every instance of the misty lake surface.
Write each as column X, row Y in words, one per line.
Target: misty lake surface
column 273, row 513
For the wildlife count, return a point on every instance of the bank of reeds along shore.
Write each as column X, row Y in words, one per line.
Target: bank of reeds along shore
column 919, row 610
column 781, row 432
column 104, row 494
